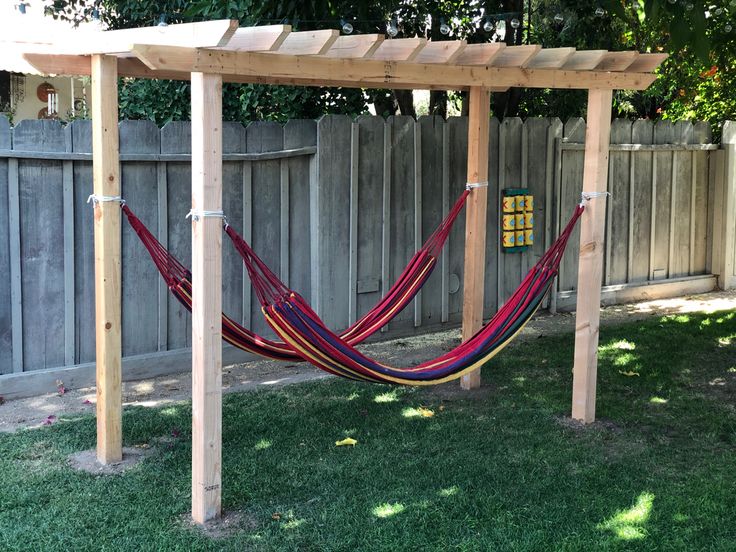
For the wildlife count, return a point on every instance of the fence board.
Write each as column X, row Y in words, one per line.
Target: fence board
column 140, row 188
column 266, row 186
column 402, row 206
column 40, row 185
column 431, row 212
column 493, row 239
column 641, row 203
column 176, row 137
column 701, row 135
column 571, row 186
column 617, row 223
column 6, row 340
column 458, row 172
column 370, row 205
column 664, row 133
column 298, row 134
column 330, row 220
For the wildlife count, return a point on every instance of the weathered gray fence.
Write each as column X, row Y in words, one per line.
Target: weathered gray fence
column 336, row 207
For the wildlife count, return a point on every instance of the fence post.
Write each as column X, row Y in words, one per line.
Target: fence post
column 724, row 204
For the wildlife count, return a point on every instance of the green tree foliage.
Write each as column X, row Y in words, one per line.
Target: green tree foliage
column 697, row 81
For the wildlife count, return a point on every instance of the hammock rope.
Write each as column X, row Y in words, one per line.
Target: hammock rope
column 298, row 325
column 401, row 293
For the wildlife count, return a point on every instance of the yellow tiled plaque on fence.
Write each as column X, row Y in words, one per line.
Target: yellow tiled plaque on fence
column 517, row 219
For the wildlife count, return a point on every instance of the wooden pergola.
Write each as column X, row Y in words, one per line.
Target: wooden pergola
column 211, row 53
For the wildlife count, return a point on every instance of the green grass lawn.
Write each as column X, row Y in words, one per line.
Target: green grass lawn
column 499, row 469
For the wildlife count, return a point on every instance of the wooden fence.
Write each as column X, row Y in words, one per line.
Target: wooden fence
column 336, row 207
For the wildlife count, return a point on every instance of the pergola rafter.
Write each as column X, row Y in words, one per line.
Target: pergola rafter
column 213, row 52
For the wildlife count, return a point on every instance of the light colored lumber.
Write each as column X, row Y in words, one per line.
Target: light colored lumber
column 617, row 61
column 106, row 182
column 308, row 43
column 647, row 63
column 355, row 46
column 258, row 39
column 206, row 34
column 319, row 70
column 550, row 58
column 399, row 49
column 516, row 56
column 480, row 54
column 585, row 60
column 206, row 297
column 590, row 267
column 475, row 221
column 443, row 51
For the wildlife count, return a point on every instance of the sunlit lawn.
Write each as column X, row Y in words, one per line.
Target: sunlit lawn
column 433, row 470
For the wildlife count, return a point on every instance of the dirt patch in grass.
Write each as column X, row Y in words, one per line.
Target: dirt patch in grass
column 451, row 391
column 577, row 426
column 86, row 461
column 227, row 525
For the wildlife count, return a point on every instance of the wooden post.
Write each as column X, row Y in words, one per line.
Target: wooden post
column 106, row 178
column 475, row 220
column 206, row 296
column 724, row 204
column 590, row 269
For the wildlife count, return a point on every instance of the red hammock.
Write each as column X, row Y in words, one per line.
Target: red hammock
column 408, row 284
column 297, row 324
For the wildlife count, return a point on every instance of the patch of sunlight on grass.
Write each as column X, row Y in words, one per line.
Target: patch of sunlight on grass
column 629, row 524
column 681, row 318
column 387, row 510
column 658, row 400
column 449, row 491
column 680, row 518
column 725, row 341
column 725, row 318
column 170, row 411
column 421, row 412
column 706, row 322
column 353, row 396
column 732, row 370
column 387, row 397
column 520, row 379
column 620, row 345
column 263, row 444
column 294, row 524
column 624, row 360
column 717, row 381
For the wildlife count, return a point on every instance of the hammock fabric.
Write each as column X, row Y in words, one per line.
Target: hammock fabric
column 408, row 284
column 299, row 326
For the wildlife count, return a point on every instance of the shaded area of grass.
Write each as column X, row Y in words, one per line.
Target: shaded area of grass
column 433, row 469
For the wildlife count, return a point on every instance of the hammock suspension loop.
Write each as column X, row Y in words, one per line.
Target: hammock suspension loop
column 197, row 215
column 94, row 199
column 587, row 196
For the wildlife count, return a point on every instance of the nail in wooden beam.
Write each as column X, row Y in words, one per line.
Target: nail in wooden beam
column 590, row 268
column 106, row 182
column 475, row 221
column 206, row 297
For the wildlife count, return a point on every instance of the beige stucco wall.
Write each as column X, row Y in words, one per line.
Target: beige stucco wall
column 31, row 105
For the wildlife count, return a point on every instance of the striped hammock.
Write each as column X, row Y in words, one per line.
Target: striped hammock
column 410, row 281
column 299, row 326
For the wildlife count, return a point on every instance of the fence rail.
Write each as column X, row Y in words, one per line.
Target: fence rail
column 336, row 207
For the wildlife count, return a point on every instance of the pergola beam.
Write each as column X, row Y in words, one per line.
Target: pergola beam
column 372, row 73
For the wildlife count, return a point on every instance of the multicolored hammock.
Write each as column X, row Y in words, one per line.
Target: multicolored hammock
column 299, row 326
column 420, row 267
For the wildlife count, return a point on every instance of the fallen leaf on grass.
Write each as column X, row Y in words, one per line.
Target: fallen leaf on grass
column 628, row 374
column 87, row 401
column 49, row 420
column 425, row 412
column 276, row 516
column 348, row 441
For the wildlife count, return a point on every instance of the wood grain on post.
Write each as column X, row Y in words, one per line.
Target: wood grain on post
column 106, row 182
column 475, row 221
column 206, row 297
column 590, row 267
